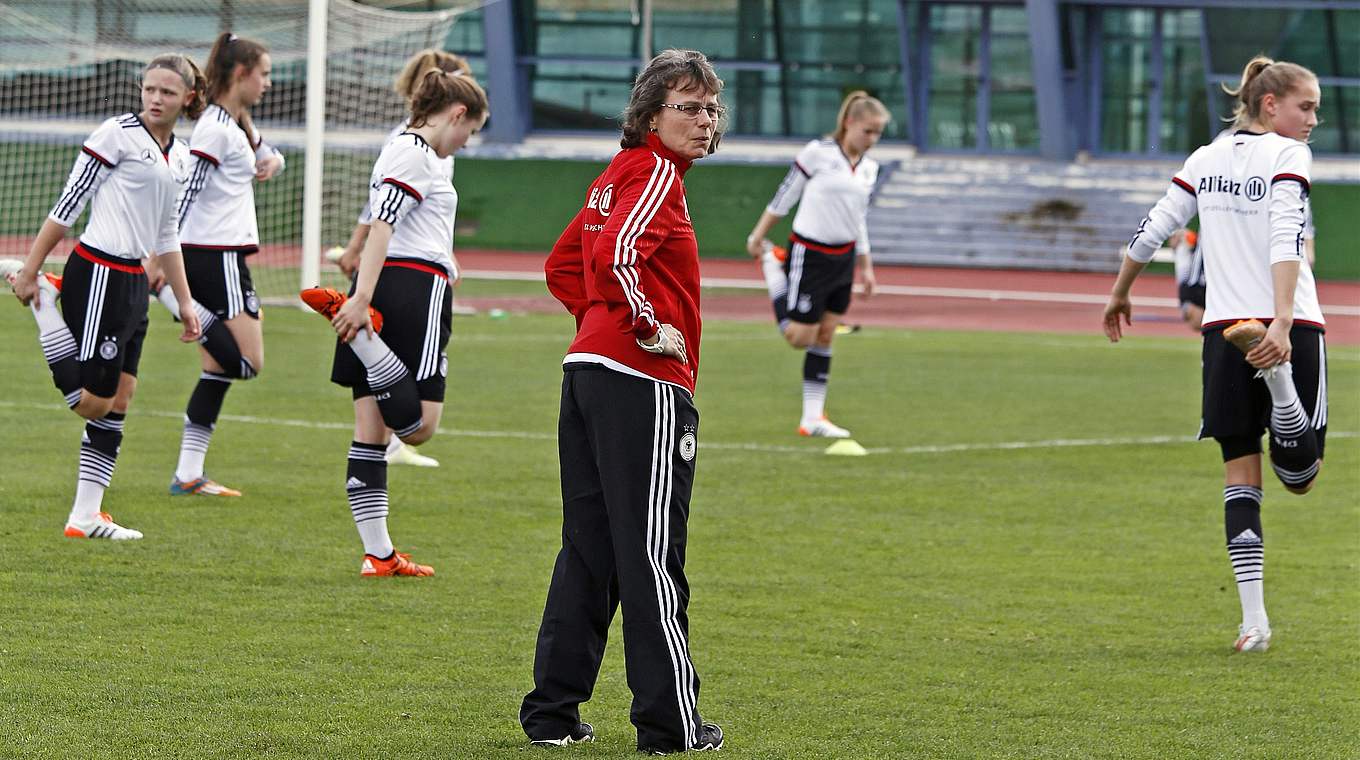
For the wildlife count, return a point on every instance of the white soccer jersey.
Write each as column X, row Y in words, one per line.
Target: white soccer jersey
column 1251, row 194
column 410, row 190
column 218, row 208
column 135, row 186
column 366, row 213
column 835, row 195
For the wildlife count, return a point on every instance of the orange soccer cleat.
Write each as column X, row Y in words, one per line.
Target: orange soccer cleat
column 1245, row 334
column 327, row 301
column 398, row 564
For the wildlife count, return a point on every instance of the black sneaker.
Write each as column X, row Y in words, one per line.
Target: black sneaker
column 709, row 739
column 584, row 733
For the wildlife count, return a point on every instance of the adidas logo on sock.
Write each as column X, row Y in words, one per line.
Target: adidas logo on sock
column 354, row 483
column 1247, row 536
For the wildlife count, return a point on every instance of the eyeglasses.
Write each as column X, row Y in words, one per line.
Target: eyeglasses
column 692, row 110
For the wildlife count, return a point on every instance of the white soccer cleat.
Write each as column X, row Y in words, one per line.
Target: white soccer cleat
column 102, row 526
column 9, row 268
column 1253, row 639
column 403, row 454
column 822, row 428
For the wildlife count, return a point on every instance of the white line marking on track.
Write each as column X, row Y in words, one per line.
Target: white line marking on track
column 810, row 448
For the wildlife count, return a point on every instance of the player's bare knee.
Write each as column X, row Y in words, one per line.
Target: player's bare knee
column 93, row 407
column 422, row 434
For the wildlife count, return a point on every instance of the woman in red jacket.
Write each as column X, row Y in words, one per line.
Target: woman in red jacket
column 627, row 268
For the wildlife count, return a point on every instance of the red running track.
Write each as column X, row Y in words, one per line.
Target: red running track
column 956, row 299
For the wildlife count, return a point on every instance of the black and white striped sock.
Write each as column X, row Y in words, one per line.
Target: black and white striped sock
column 1246, row 550
column 816, row 373
column 99, row 444
column 366, row 489
column 200, row 419
column 60, row 350
column 391, row 382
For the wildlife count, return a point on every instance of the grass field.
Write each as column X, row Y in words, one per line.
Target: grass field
column 1029, row 565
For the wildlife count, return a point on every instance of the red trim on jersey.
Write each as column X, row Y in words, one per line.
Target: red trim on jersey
column 206, row 157
column 418, row 266
column 834, row 250
column 1182, row 184
column 105, row 260
column 97, row 157
column 247, row 248
column 1221, row 323
column 411, row 191
column 1294, row 177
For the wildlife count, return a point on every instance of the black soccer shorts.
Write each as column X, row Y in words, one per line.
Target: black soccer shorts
column 104, row 302
column 820, row 278
column 220, row 280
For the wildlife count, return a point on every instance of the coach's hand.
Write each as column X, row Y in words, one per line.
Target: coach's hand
column 1273, row 349
column 189, row 319
column 1118, row 306
column 668, row 342
column 351, row 318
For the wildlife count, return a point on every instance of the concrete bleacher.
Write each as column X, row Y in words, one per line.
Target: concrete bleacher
column 1001, row 212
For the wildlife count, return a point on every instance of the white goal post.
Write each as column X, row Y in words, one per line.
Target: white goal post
column 66, row 65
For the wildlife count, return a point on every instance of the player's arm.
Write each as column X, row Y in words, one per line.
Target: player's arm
column 353, row 316
column 26, row 280
column 787, row 195
column 170, row 263
column 1288, row 220
column 349, row 260
column 866, row 258
column 564, row 270
column 1170, row 214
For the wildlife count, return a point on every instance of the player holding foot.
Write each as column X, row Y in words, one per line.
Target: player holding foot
column 811, row 286
column 395, row 323
column 217, row 224
column 1265, row 359
column 131, row 171
column 411, row 75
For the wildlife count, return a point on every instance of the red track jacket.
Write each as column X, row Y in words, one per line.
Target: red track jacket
column 629, row 262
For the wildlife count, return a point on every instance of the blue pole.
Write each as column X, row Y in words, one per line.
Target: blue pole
column 1045, row 44
column 505, row 87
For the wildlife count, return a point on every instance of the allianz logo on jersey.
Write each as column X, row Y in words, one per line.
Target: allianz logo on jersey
column 1254, row 188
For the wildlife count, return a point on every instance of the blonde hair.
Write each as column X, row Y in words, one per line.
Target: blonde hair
column 423, row 63
column 855, row 105
column 1264, row 76
column 189, row 73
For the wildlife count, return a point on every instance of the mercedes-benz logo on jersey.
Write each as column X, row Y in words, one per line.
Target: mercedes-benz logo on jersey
column 1255, row 189
column 688, row 445
column 108, row 349
column 147, row 157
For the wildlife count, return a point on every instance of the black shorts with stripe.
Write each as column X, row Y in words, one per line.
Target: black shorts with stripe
column 220, row 280
column 821, row 276
column 104, row 302
column 1190, row 295
column 1237, row 405
column 416, row 304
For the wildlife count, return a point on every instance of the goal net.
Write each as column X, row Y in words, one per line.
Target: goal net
column 66, row 65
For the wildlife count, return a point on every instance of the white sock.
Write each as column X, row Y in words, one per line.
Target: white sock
column 374, row 534
column 1252, row 596
column 814, row 400
column 191, row 461
column 89, row 500
column 49, row 316
column 206, row 318
column 775, row 280
column 1281, row 384
column 369, row 348
column 394, row 445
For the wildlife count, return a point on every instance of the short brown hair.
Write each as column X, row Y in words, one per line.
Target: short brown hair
column 681, row 69
column 1263, row 76
column 193, row 79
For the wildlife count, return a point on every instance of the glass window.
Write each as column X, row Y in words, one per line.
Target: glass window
column 1184, row 124
column 955, row 63
column 1013, row 123
column 1127, row 78
column 580, row 96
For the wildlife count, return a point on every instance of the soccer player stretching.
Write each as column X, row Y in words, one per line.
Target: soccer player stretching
column 810, row 287
column 1264, row 357
column 217, row 225
column 130, row 171
column 395, row 324
column 412, row 74
column 627, row 268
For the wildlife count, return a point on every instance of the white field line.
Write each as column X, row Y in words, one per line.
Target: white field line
column 920, row 290
column 811, row 448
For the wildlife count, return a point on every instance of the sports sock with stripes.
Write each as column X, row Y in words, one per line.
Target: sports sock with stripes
column 816, row 371
column 777, row 283
column 200, row 418
column 58, row 346
column 1246, row 550
column 99, row 444
column 392, row 384
column 366, row 489
column 215, row 337
column 1293, row 441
